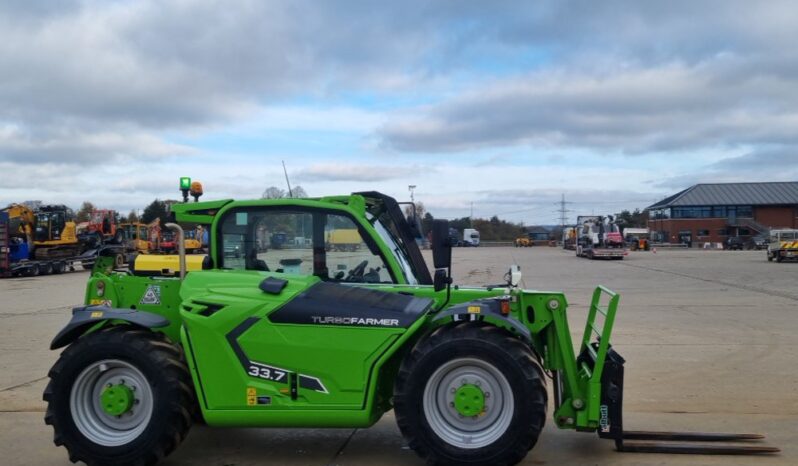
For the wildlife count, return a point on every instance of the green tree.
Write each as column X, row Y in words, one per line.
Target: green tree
column 426, row 222
column 156, row 209
column 132, row 217
column 273, row 192
column 84, row 213
column 636, row 219
column 299, row 192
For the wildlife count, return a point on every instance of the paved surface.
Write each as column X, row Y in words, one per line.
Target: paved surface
column 709, row 338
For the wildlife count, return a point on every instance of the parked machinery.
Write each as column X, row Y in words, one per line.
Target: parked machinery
column 140, row 237
column 54, row 234
column 599, row 237
column 343, row 239
column 638, row 239
column 236, row 343
column 470, row 237
column 783, row 245
column 102, row 228
column 569, row 235
column 523, row 241
column 39, row 242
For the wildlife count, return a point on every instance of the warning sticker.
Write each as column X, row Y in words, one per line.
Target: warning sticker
column 152, row 295
column 474, row 309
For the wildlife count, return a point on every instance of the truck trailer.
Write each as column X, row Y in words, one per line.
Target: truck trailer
column 599, row 238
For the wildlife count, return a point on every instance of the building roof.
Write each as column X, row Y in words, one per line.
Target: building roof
column 774, row 193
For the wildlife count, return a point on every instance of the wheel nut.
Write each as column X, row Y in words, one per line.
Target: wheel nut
column 135, row 402
column 451, row 404
column 487, row 394
column 454, row 390
column 108, row 385
column 133, row 387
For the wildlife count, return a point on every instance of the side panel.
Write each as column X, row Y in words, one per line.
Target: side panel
column 246, row 362
column 156, row 295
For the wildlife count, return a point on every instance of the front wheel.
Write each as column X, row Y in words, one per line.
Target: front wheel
column 472, row 395
column 119, row 396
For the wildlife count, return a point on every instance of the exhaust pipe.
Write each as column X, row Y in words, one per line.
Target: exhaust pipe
column 181, row 247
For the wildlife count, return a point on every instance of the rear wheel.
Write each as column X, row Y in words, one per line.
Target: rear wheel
column 119, row 396
column 470, row 394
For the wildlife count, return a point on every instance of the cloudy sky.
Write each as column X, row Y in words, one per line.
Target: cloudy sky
column 506, row 105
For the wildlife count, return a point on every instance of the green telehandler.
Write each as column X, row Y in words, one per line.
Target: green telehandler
column 302, row 336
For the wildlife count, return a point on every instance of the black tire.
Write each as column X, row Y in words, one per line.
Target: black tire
column 495, row 347
column 779, row 257
column 168, row 380
column 58, row 267
column 119, row 261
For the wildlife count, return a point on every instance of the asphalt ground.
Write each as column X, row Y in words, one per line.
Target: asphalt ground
column 708, row 336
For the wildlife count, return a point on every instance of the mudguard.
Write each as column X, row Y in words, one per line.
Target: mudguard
column 85, row 317
column 488, row 310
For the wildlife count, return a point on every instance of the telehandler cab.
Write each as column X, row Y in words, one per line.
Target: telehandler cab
column 303, row 336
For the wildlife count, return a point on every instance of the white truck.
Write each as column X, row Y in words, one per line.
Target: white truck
column 470, row 237
column 783, row 244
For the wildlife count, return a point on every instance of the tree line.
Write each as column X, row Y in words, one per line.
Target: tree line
column 490, row 229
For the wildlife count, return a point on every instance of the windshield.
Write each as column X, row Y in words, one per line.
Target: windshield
column 396, row 246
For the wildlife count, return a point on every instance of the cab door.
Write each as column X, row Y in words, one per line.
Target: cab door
column 316, row 356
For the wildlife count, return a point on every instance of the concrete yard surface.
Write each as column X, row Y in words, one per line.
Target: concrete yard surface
column 708, row 338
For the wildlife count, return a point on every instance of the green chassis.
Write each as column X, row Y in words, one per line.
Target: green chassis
column 333, row 375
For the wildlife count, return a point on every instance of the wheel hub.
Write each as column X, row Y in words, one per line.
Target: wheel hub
column 117, row 399
column 468, row 403
column 469, row 400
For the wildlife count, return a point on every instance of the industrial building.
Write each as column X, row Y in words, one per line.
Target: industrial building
column 713, row 212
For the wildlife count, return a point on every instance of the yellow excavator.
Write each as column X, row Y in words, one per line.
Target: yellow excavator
column 49, row 231
column 21, row 221
column 54, row 233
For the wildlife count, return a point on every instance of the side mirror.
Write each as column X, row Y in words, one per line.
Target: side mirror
column 441, row 247
column 441, row 280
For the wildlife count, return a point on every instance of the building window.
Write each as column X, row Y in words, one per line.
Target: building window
column 702, row 233
column 744, row 232
column 745, row 211
column 660, row 214
column 719, row 211
column 692, row 212
column 722, row 232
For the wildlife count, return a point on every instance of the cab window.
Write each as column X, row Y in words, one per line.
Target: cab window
column 322, row 243
column 348, row 256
